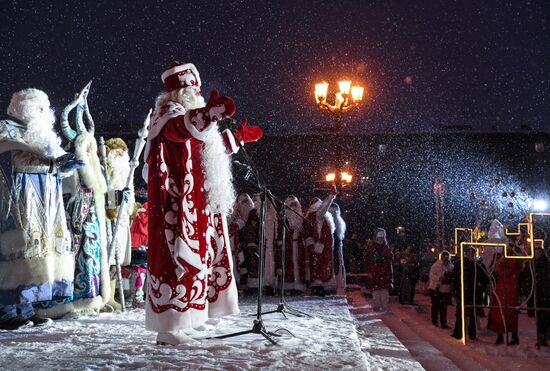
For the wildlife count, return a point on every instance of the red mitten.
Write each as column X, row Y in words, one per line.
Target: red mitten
column 247, row 134
column 215, row 104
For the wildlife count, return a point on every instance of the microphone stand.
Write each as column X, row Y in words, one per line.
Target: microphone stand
column 258, row 324
column 283, row 306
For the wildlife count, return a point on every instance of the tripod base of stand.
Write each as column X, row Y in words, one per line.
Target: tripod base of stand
column 257, row 328
column 284, row 308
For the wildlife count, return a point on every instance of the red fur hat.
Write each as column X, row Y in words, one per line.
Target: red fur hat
column 180, row 75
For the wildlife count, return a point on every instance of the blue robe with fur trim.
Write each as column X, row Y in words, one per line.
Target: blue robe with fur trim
column 36, row 261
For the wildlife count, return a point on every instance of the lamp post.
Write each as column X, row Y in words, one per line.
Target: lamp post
column 348, row 97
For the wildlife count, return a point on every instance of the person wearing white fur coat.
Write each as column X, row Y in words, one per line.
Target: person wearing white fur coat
column 85, row 209
column 36, row 261
column 118, row 169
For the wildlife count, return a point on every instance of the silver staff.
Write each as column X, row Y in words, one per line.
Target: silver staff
column 134, row 163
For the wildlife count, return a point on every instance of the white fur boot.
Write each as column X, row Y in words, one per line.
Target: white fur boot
column 174, row 338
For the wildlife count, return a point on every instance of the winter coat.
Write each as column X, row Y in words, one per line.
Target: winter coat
column 542, row 269
column 138, row 230
column 506, row 294
column 437, row 275
column 378, row 266
column 475, row 281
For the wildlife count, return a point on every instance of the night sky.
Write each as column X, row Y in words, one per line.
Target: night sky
column 423, row 63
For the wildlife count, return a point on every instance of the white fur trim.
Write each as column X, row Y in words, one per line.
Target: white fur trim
column 201, row 135
column 157, row 122
column 172, row 320
column 36, row 271
column 81, row 305
column 233, row 146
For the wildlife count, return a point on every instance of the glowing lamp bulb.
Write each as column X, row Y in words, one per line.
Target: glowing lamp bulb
column 321, row 91
column 357, row 93
column 346, row 177
column 344, row 86
column 330, row 177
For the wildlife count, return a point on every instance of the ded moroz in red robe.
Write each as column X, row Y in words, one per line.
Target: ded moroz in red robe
column 190, row 276
column 319, row 242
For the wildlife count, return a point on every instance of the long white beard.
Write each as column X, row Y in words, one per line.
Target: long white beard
column 119, row 169
column 90, row 174
column 330, row 221
column 191, row 101
column 218, row 179
column 40, row 134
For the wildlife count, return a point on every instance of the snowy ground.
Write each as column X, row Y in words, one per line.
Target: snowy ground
column 112, row 341
column 343, row 334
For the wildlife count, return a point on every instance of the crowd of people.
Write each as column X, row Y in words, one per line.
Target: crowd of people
column 495, row 288
column 313, row 245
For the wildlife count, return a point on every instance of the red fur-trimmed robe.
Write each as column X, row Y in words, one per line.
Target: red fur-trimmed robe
column 319, row 241
column 190, row 276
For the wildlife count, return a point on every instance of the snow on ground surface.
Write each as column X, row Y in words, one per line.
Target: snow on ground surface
column 343, row 334
column 113, row 341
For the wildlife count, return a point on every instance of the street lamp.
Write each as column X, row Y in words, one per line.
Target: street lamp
column 339, row 178
column 348, row 97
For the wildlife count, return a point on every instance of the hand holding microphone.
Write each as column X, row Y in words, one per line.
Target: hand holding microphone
column 244, row 133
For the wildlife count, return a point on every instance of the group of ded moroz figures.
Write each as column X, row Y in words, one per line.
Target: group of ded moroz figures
column 313, row 245
column 58, row 209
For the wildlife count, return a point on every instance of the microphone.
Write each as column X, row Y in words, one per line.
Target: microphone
column 241, row 164
column 229, row 123
column 249, row 171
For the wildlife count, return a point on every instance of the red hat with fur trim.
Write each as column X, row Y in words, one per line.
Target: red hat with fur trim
column 180, row 75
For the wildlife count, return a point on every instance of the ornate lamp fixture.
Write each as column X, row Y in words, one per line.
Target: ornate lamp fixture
column 348, row 97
